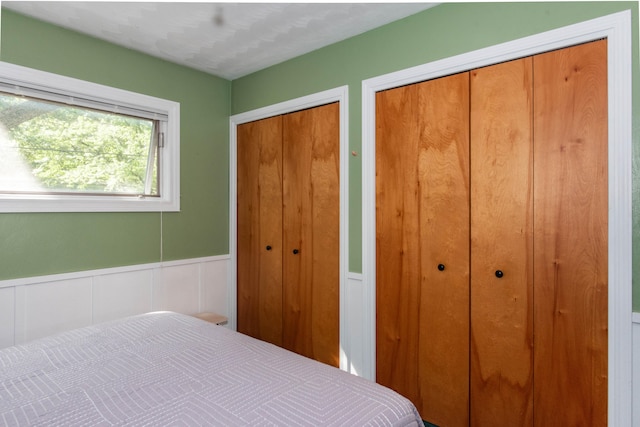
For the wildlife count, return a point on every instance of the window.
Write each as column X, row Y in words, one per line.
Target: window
column 68, row 145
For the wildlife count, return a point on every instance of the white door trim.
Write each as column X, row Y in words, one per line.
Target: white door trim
column 617, row 29
column 341, row 95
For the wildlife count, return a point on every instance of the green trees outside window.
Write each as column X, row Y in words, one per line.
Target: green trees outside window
column 48, row 147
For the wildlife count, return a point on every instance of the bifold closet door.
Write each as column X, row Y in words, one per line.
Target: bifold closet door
column 422, row 223
column 311, row 217
column 502, row 245
column 532, row 220
column 259, row 219
column 571, row 229
column 288, row 231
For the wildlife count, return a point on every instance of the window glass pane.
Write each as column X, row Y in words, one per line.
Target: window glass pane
column 48, row 147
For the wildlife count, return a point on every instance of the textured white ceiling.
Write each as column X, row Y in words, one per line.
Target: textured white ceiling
column 247, row 37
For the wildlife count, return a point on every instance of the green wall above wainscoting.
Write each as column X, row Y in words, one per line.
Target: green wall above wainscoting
column 48, row 243
column 440, row 32
column 36, row 244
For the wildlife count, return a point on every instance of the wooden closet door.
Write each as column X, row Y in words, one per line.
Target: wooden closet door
column 311, row 217
column 422, row 215
column 397, row 242
column 570, row 247
column 259, row 215
column 502, row 245
column 443, row 171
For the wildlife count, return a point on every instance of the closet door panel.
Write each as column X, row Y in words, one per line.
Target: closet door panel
column 259, row 215
column 311, row 216
column 443, row 230
column 501, row 245
column 571, row 236
column 398, row 262
column 422, row 214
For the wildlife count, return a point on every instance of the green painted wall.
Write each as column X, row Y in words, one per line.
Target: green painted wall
column 35, row 244
column 48, row 243
column 439, row 32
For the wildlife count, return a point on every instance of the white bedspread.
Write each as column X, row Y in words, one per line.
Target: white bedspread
column 170, row 369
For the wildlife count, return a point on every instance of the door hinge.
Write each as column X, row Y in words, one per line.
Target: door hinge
column 161, row 140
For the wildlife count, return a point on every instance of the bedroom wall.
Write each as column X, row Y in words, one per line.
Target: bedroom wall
column 59, row 271
column 44, row 244
column 440, row 32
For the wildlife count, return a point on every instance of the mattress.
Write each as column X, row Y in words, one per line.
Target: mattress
column 170, row 369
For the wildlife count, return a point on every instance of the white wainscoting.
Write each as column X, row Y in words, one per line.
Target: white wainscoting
column 354, row 349
column 35, row 307
column 636, row 370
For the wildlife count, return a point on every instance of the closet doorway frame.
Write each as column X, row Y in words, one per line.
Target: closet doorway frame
column 341, row 95
column 616, row 28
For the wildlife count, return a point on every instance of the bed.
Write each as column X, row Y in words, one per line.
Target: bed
column 166, row 368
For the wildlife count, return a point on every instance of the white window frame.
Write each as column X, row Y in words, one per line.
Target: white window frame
column 109, row 99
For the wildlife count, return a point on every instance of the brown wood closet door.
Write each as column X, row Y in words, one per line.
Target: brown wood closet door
column 502, row 245
column 311, row 217
column 570, row 247
column 422, row 214
column 259, row 215
column 397, row 242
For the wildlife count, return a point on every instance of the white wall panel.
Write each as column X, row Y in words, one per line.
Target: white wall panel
column 356, row 328
column 213, row 297
column 46, row 308
column 7, row 315
column 34, row 307
column 122, row 294
column 178, row 289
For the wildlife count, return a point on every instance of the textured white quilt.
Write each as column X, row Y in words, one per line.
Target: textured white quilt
column 171, row 369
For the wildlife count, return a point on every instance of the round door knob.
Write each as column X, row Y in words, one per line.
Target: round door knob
column 441, row 267
column 295, row 251
column 499, row 274
column 268, row 247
